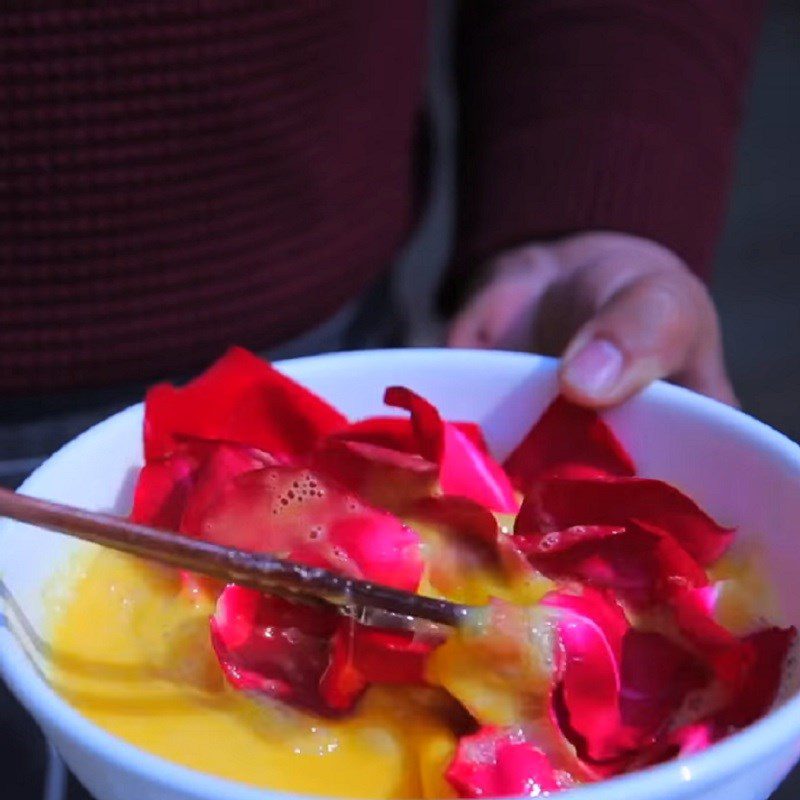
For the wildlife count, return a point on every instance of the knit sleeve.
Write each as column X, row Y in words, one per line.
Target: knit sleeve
column 598, row 115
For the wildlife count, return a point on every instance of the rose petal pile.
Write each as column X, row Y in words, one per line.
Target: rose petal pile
column 642, row 671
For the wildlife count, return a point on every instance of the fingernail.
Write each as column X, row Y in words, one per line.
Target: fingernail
column 594, row 369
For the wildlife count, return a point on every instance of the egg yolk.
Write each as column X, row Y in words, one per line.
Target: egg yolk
column 131, row 651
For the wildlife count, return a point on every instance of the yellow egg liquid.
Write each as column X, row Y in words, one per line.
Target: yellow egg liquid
column 131, row 651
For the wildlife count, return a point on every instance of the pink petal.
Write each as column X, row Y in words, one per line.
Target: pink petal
column 497, row 762
column 465, row 469
column 591, row 633
column 474, row 433
column 616, row 688
column 468, row 471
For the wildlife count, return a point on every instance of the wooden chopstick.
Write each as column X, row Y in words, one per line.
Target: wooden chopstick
column 259, row 571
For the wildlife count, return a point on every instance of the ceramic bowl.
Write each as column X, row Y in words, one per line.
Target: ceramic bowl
column 740, row 470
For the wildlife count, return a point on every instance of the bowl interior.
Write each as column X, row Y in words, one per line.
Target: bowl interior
column 739, row 470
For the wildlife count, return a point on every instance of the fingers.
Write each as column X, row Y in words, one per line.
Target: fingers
column 662, row 325
column 501, row 315
column 624, row 312
column 488, row 320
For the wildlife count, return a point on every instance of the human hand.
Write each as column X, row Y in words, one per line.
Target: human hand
column 623, row 311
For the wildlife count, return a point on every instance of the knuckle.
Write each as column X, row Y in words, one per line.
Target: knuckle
column 522, row 260
column 671, row 306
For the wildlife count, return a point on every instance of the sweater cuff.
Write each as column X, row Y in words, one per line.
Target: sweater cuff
column 588, row 174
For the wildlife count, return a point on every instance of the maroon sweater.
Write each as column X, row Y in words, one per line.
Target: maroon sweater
column 176, row 176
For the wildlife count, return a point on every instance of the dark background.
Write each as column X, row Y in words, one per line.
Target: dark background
column 757, row 288
column 757, row 282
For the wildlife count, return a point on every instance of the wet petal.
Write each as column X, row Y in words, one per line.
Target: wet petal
column 559, row 503
column 641, row 564
column 361, row 656
column 499, row 762
column 460, row 514
column 616, row 688
column 272, row 647
column 296, row 514
column 162, row 489
column 165, row 485
column 223, row 462
column 384, row 477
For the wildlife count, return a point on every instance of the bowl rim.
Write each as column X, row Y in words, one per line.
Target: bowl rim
column 778, row 729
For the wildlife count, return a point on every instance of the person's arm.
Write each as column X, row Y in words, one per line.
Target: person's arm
column 596, row 115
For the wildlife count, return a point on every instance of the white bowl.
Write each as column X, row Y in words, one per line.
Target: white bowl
column 737, row 468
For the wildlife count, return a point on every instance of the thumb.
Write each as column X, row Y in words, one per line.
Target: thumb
column 645, row 331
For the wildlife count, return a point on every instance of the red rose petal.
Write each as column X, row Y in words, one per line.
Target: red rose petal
column 642, row 564
column 392, row 433
column 459, row 514
column 296, row 514
column 559, row 503
column 656, row 675
column 383, row 477
column 223, row 463
column 273, row 647
column 465, row 469
column 165, row 485
column 426, row 422
column 755, row 696
column 379, row 459
column 729, row 657
column 616, row 688
column 361, row 656
column 590, row 654
column 498, row 762
column 239, row 399
column 760, row 686
column 162, row 489
column 567, row 440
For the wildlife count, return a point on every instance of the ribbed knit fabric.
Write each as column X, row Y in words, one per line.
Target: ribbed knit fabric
column 614, row 115
column 180, row 175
